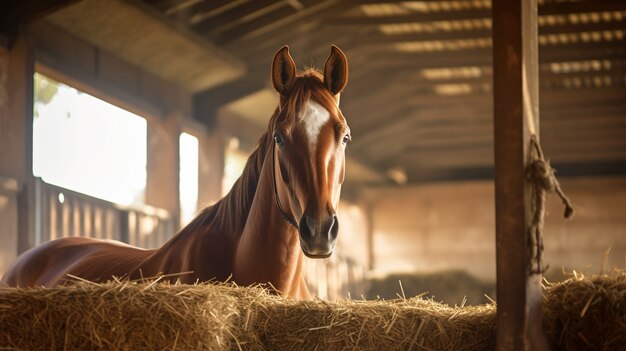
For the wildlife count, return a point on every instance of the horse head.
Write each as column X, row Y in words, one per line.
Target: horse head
column 310, row 135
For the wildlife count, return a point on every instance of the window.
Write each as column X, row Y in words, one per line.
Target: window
column 88, row 145
column 188, row 183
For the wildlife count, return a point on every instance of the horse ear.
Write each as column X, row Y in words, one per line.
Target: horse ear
column 336, row 71
column 283, row 70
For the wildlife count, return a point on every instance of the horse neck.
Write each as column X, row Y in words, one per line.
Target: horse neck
column 269, row 248
column 216, row 228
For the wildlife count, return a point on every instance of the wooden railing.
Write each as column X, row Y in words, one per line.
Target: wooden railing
column 64, row 213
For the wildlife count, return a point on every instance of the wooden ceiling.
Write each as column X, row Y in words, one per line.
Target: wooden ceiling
column 419, row 99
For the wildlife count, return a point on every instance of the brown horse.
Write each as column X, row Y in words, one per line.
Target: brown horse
column 282, row 206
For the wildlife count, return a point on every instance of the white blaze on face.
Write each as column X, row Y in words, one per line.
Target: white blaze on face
column 314, row 118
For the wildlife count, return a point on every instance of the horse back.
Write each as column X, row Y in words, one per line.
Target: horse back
column 50, row 263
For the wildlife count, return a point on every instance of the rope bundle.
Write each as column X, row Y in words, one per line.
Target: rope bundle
column 543, row 181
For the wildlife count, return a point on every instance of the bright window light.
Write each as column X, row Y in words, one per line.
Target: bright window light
column 188, row 184
column 88, row 145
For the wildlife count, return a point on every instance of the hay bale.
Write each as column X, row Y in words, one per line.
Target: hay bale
column 117, row 316
column 415, row 324
column 581, row 313
column 587, row 313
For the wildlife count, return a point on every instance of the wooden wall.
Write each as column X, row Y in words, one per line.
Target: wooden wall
column 451, row 226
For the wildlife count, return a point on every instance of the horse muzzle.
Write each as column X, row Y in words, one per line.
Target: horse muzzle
column 317, row 237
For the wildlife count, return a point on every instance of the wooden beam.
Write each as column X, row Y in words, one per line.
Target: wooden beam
column 281, row 27
column 582, row 27
column 416, row 17
column 471, row 155
column 550, row 8
column 425, row 98
column 210, row 23
column 169, row 7
column 15, row 14
column 567, row 7
column 418, row 124
column 545, row 50
column 401, row 81
column 418, row 173
column 399, row 85
column 414, row 133
column 202, row 9
column 516, row 118
column 302, row 43
column 271, row 20
column 16, row 136
column 400, row 122
column 613, row 50
column 384, row 39
column 561, row 135
column 237, row 30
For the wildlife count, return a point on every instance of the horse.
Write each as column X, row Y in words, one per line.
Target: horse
column 281, row 209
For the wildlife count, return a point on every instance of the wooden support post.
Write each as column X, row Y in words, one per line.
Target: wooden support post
column 163, row 163
column 516, row 118
column 211, row 167
column 16, row 138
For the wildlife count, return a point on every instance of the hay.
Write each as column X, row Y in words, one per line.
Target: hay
column 587, row 313
column 274, row 323
column 581, row 313
column 117, row 316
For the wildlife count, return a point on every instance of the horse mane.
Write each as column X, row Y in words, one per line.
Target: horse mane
column 229, row 215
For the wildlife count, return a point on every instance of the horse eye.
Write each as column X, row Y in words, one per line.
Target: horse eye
column 278, row 139
column 346, row 139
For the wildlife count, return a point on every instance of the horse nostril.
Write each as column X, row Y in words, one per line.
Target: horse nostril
column 307, row 226
column 334, row 228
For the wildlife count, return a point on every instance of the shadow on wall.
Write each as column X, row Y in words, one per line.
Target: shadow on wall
column 449, row 287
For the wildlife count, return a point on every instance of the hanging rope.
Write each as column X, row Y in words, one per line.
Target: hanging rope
column 543, row 181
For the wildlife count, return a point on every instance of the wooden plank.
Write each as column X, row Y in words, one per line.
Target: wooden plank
column 549, row 80
column 397, row 121
column 414, row 83
column 566, row 7
column 282, row 27
column 554, row 8
column 210, row 24
column 410, row 18
column 596, row 134
column 380, row 38
column 387, row 62
column 420, row 173
column 236, row 30
column 516, row 118
column 482, row 56
column 171, row 6
column 204, row 9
